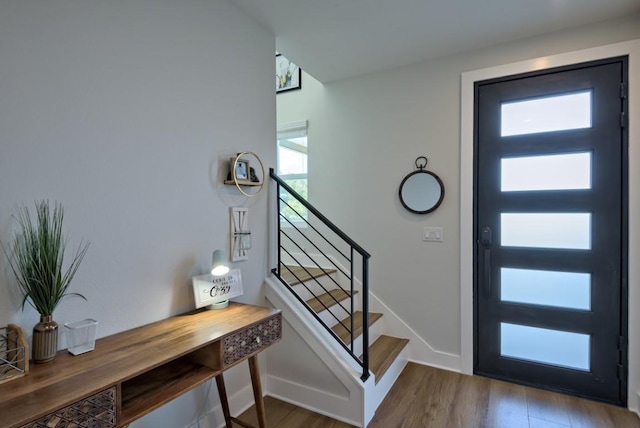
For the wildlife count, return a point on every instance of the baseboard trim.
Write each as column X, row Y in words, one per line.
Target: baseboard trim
column 420, row 351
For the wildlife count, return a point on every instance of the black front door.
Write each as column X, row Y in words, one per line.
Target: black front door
column 550, row 261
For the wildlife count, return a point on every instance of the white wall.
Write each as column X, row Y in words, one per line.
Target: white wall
column 364, row 135
column 125, row 111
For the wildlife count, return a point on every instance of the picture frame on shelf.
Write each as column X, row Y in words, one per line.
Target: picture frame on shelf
column 288, row 74
column 241, row 172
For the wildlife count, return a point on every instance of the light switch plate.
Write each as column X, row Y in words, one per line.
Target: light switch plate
column 433, row 234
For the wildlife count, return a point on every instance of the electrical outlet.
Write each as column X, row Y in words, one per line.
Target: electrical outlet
column 433, row 234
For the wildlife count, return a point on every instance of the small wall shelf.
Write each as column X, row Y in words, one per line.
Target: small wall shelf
column 243, row 183
column 241, row 175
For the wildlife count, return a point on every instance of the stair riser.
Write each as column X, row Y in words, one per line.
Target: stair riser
column 298, row 258
column 337, row 311
column 375, row 330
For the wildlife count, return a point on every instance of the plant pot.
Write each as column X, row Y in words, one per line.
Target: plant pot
column 45, row 340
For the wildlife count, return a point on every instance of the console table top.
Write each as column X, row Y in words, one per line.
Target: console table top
column 117, row 358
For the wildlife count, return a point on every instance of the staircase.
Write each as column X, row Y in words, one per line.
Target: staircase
column 382, row 352
column 336, row 356
column 387, row 355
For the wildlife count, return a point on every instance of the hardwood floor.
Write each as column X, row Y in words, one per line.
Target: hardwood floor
column 429, row 397
column 285, row 415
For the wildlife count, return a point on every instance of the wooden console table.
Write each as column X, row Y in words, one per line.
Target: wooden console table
column 129, row 374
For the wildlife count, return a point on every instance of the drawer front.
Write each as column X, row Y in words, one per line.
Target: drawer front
column 96, row 411
column 251, row 339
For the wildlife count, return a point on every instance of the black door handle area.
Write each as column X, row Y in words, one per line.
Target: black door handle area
column 486, row 286
column 486, row 241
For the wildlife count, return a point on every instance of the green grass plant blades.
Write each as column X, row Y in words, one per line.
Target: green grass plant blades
column 37, row 257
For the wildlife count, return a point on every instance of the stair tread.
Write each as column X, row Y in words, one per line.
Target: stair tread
column 383, row 352
column 297, row 274
column 343, row 332
column 328, row 299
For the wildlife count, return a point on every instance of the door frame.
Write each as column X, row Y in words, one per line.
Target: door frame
column 468, row 79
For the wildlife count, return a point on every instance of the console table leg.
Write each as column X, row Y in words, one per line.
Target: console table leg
column 222, row 392
column 257, row 391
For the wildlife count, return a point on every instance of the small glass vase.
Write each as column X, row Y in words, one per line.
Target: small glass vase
column 45, row 339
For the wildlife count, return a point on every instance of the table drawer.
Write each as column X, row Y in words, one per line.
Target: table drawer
column 96, row 411
column 251, row 339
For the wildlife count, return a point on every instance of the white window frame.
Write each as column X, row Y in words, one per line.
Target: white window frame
column 293, row 130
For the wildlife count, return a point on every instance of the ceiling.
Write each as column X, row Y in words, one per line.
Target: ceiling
column 337, row 39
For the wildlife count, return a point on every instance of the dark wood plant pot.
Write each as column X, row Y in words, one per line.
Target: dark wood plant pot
column 45, row 340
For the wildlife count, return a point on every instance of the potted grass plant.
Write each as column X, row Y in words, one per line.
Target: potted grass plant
column 36, row 256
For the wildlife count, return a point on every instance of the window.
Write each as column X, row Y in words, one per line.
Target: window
column 292, row 167
column 547, row 114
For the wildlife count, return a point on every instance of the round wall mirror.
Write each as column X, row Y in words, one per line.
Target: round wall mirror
column 421, row 191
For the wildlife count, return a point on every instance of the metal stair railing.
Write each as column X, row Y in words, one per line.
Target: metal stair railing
column 306, row 231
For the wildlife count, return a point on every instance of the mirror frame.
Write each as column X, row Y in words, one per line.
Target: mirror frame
column 432, row 208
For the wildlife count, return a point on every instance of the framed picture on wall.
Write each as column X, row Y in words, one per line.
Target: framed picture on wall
column 288, row 75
